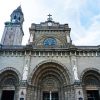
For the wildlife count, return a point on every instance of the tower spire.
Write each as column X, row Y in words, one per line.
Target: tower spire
column 17, row 16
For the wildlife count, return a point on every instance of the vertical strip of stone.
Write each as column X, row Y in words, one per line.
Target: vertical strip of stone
column 78, row 93
column 0, row 93
column 22, row 93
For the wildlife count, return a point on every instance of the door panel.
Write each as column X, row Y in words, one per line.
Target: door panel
column 54, row 96
column 93, row 95
column 8, row 95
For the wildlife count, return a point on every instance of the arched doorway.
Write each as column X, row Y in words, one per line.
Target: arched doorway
column 49, row 80
column 91, row 85
column 9, row 82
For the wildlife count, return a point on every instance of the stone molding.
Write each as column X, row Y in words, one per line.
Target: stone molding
column 49, row 61
column 12, row 69
column 88, row 69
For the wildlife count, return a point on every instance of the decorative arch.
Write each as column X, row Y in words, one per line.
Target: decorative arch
column 9, row 83
column 50, row 67
column 90, row 79
column 11, row 69
column 89, row 70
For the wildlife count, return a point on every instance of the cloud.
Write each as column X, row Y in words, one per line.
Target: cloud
column 84, row 21
column 92, row 34
column 83, row 16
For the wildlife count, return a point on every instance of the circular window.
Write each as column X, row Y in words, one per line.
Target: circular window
column 49, row 42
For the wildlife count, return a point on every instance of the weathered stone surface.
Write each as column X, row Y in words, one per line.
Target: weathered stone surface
column 50, row 67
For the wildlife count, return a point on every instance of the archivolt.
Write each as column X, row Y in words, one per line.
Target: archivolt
column 11, row 69
column 52, row 67
column 89, row 70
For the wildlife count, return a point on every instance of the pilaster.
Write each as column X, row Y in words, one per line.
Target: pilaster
column 74, row 67
column 78, row 92
column 23, row 90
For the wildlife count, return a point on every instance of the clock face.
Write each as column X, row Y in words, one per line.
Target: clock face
column 49, row 24
column 50, row 42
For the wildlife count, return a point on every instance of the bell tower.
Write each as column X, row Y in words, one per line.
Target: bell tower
column 13, row 31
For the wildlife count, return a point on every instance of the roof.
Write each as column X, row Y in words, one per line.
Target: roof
column 19, row 9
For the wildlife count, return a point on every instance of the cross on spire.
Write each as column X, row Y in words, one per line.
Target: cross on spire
column 49, row 15
column 50, row 18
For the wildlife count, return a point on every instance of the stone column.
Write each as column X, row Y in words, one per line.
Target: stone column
column 0, row 93
column 66, row 95
column 38, row 93
column 35, row 93
column 50, row 96
column 16, row 93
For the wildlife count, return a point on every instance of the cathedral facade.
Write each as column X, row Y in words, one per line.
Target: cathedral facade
column 49, row 67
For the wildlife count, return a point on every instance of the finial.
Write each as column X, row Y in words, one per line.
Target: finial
column 50, row 18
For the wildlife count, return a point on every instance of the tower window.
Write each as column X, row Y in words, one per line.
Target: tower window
column 19, row 18
column 15, row 17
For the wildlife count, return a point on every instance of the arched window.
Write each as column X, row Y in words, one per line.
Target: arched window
column 15, row 17
column 19, row 18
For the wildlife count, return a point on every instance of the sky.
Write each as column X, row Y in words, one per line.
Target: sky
column 83, row 17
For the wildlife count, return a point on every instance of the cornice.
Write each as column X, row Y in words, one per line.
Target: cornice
column 30, row 50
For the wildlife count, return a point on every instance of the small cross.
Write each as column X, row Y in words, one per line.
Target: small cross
column 49, row 16
column 49, row 19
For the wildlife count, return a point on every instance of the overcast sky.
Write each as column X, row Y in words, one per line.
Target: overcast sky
column 83, row 17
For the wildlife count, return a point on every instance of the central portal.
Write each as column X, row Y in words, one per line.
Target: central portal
column 48, row 82
column 50, row 96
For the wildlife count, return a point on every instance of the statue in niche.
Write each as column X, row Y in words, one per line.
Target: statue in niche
column 31, row 38
column 75, row 70
column 25, row 71
column 68, row 39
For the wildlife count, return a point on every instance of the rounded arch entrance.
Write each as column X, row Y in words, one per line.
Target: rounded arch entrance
column 91, row 84
column 49, row 78
column 9, row 83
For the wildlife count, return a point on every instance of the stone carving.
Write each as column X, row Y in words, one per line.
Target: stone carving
column 25, row 71
column 68, row 39
column 75, row 71
column 31, row 38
